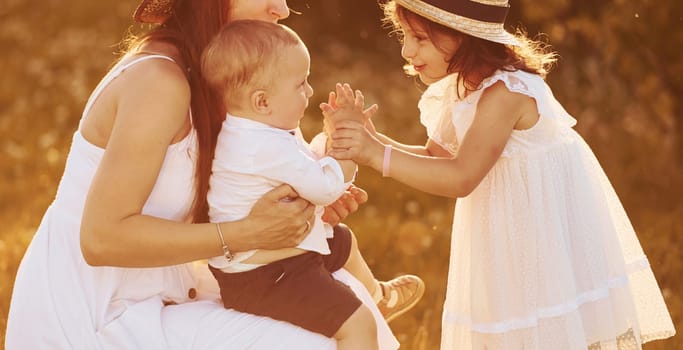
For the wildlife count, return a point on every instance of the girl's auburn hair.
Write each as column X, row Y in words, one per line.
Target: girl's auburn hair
column 476, row 55
column 190, row 29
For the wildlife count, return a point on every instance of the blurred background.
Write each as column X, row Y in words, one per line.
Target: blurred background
column 620, row 74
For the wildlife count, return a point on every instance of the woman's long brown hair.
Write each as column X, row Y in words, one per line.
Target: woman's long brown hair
column 475, row 58
column 190, row 28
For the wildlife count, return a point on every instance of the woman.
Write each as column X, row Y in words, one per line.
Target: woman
column 108, row 267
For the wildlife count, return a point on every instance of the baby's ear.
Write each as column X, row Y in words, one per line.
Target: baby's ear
column 259, row 102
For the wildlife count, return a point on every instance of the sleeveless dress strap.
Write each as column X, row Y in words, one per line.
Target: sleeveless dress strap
column 112, row 75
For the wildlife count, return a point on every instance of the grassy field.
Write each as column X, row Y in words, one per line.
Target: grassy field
column 57, row 54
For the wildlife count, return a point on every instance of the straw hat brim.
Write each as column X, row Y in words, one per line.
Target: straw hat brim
column 485, row 30
column 153, row 11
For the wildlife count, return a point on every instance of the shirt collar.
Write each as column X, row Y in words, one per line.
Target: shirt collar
column 240, row 122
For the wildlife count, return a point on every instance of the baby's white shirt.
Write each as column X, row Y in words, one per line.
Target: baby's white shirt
column 251, row 159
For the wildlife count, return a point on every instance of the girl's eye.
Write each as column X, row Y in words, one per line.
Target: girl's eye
column 415, row 36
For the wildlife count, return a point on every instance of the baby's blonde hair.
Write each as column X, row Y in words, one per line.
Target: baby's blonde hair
column 242, row 58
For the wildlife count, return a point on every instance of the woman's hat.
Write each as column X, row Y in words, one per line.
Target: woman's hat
column 153, row 11
column 479, row 18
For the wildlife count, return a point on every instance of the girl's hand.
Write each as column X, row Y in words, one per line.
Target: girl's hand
column 347, row 204
column 369, row 125
column 279, row 219
column 352, row 140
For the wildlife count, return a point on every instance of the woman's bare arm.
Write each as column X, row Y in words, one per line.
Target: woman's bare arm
column 152, row 105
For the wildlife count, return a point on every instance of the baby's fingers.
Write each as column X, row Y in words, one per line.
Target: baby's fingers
column 345, row 95
column 342, row 99
column 348, row 91
column 359, row 101
column 332, row 99
column 326, row 108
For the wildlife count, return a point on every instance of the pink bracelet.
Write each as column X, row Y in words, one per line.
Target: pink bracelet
column 386, row 161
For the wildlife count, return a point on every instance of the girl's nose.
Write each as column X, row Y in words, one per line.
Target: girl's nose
column 408, row 50
column 280, row 10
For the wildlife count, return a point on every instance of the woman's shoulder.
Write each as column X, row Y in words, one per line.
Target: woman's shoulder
column 151, row 74
column 155, row 48
column 156, row 63
column 152, row 85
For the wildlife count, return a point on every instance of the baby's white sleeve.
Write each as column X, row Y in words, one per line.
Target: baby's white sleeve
column 320, row 181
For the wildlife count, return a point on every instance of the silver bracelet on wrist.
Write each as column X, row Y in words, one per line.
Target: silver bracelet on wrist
column 226, row 251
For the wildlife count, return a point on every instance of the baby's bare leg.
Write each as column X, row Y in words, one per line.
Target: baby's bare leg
column 357, row 266
column 358, row 332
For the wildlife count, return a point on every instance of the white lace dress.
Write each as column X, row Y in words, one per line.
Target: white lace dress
column 543, row 255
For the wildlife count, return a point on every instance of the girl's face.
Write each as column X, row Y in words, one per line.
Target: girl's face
column 264, row 10
column 429, row 60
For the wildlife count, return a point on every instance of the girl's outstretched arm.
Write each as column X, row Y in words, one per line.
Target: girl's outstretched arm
column 431, row 148
column 332, row 116
column 498, row 112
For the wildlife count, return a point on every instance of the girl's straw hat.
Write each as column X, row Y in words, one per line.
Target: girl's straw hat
column 154, row 11
column 480, row 18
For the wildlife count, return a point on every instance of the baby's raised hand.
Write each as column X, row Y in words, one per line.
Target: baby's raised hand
column 345, row 104
column 349, row 101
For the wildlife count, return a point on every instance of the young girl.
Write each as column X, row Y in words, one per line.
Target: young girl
column 543, row 255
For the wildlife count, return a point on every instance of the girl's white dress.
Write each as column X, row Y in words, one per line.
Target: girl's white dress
column 60, row 302
column 543, row 255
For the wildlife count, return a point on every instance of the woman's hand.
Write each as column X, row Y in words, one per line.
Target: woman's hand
column 347, row 204
column 280, row 219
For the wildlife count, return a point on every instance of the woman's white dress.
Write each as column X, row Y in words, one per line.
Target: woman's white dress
column 543, row 255
column 60, row 302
